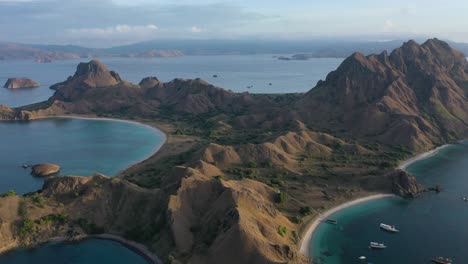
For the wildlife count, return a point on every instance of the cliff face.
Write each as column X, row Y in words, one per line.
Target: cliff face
column 415, row 96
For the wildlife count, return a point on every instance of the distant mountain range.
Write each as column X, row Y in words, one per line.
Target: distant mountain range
column 172, row 48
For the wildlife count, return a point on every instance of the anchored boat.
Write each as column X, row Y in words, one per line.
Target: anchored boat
column 442, row 260
column 389, row 228
column 376, row 245
column 330, row 221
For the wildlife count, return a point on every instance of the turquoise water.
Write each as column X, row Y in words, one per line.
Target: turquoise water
column 431, row 225
column 80, row 147
column 92, row 251
column 235, row 72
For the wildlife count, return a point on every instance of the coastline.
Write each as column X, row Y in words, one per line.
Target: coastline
column 306, row 239
column 138, row 248
column 155, row 129
column 431, row 153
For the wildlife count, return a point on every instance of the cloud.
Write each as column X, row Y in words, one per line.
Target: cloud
column 96, row 23
column 115, row 33
column 388, row 25
column 195, row 29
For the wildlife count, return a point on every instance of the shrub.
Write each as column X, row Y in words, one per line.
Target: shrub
column 26, row 226
column 11, row 193
column 296, row 219
column 305, row 210
column 38, row 200
column 282, row 230
column 281, row 197
column 170, row 259
column 22, row 208
column 252, row 164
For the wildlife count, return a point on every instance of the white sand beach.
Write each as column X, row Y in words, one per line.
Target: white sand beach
column 306, row 239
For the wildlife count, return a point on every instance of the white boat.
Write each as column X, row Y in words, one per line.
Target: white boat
column 377, row 245
column 389, row 228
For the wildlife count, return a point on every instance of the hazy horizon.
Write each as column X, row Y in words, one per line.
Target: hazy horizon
column 110, row 23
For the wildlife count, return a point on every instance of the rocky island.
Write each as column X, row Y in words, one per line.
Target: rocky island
column 241, row 175
column 15, row 83
column 44, row 170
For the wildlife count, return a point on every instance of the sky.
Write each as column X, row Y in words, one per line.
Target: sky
column 105, row 23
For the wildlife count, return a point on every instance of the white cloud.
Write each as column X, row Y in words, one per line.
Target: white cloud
column 115, row 33
column 389, row 25
column 196, row 29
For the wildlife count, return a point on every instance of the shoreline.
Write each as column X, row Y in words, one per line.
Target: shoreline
column 136, row 247
column 431, row 153
column 306, row 239
column 158, row 131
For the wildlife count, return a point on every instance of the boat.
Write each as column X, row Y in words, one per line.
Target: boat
column 389, row 228
column 442, row 260
column 362, row 258
column 330, row 221
column 376, row 245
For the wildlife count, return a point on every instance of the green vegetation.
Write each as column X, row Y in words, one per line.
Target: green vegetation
column 58, row 219
column 26, row 227
column 10, row 193
column 90, row 228
column 22, row 208
column 305, row 210
column 281, row 197
column 38, row 200
column 282, row 230
column 170, row 259
column 296, row 219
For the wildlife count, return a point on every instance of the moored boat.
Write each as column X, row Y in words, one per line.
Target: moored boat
column 389, row 228
column 376, row 245
column 442, row 260
column 330, row 221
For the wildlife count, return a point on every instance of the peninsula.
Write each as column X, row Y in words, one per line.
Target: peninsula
column 242, row 175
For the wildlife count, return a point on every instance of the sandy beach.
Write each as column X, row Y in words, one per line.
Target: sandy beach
column 405, row 164
column 138, row 248
column 306, row 239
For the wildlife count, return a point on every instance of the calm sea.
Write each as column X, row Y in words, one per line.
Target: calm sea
column 431, row 225
column 235, row 72
column 80, row 147
column 93, row 251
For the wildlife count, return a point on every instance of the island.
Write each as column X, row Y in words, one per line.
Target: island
column 15, row 83
column 44, row 170
column 241, row 176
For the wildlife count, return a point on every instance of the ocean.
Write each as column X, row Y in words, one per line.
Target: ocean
column 234, row 72
column 431, row 225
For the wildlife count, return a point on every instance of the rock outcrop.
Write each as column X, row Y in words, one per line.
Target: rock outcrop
column 14, row 83
column 93, row 74
column 405, row 185
column 45, row 169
